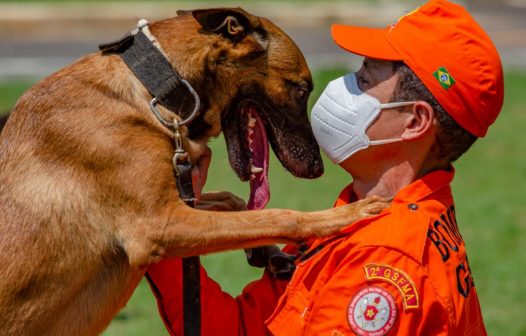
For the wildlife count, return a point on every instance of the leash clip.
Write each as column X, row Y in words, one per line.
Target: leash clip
column 183, row 169
column 180, row 156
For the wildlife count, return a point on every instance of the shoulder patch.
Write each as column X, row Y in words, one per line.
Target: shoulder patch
column 396, row 277
column 372, row 312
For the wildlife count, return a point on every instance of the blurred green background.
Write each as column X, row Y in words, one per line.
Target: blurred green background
column 489, row 191
column 490, row 182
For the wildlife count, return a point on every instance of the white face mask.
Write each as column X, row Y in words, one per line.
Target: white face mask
column 341, row 116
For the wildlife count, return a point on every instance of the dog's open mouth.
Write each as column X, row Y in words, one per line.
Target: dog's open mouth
column 259, row 151
column 252, row 127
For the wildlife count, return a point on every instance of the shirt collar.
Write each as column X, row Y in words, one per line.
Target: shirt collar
column 416, row 191
column 425, row 186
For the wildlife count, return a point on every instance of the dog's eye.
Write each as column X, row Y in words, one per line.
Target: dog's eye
column 302, row 92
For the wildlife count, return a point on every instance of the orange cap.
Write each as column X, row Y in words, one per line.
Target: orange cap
column 448, row 51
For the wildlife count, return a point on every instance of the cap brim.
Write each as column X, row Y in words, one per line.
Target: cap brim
column 368, row 42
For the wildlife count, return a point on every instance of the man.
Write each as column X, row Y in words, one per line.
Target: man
column 431, row 84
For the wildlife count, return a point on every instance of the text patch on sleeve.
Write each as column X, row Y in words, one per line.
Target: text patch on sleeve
column 396, row 277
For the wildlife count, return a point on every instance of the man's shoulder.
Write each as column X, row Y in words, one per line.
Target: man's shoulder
column 404, row 228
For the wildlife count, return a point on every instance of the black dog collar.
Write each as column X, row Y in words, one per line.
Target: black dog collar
column 154, row 71
column 150, row 66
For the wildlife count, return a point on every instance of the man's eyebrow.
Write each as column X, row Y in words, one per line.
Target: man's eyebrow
column 374, row 64
column 370, row 65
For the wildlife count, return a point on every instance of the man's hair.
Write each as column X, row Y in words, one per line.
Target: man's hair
column 451, row 139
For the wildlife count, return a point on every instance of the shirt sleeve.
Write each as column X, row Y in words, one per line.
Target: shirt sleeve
column 377, row 291
column 221, row 314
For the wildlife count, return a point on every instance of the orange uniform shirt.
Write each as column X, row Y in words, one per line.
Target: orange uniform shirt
column 403, row 272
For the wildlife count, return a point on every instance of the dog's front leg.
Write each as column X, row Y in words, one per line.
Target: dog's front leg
column 183, row 231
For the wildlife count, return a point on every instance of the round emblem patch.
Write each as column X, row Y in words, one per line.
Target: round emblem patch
column 372, row 312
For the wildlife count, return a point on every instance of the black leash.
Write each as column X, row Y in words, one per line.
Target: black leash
column 191, row 276
column 155, row 72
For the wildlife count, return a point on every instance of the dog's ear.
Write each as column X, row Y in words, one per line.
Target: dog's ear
column 232, row 23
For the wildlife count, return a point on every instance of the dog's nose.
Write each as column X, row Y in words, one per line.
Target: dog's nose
column 317, row 168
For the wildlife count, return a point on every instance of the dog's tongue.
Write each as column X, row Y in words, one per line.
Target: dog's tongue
column 259, row 188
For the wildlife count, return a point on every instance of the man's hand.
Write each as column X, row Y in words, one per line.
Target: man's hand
column 213, row 201
column 200, row 171
column 220, row 201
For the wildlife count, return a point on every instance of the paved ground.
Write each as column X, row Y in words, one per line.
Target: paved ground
column 36, row 40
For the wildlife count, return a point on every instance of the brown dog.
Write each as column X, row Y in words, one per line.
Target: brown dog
column 87, row 192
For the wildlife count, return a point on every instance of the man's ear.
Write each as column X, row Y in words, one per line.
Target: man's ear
column 232, row 23
column 420, row 121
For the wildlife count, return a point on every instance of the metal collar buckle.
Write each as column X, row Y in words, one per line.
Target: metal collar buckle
column 175, row 124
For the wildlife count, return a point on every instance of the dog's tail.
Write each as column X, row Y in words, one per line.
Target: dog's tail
column 3, row 120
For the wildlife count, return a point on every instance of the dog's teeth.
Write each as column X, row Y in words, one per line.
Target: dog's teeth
column 250, row 131
column 251, row 122
column 252, row 177
column 255, row 170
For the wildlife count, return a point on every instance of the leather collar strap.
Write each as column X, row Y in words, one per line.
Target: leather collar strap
column 150, row 66
column 155, row 72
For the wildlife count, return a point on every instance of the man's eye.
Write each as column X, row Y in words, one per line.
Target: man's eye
column 362, row 80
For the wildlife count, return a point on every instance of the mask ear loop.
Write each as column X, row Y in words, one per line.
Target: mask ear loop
column 383, row 142
column 396, row 104
column 386, row 106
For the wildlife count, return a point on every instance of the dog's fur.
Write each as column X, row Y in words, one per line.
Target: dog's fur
column 87, row 192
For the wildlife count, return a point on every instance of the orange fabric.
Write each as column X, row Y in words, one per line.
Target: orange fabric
column 221, row 314
column 412, row 254
column 440, row 36
column 418, row 238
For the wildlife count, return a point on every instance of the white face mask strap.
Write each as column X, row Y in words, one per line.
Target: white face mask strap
column 385, row 106
column 397, row 104
column 383, row 142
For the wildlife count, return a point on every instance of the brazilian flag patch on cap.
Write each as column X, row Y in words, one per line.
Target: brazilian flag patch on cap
column 444, row 78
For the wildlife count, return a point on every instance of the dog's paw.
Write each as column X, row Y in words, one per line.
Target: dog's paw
column 372, row 205
column 353, row 212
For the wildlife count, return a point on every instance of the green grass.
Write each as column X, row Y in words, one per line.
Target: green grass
column 490, row 195
column 489, row 191
column 10, row 92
